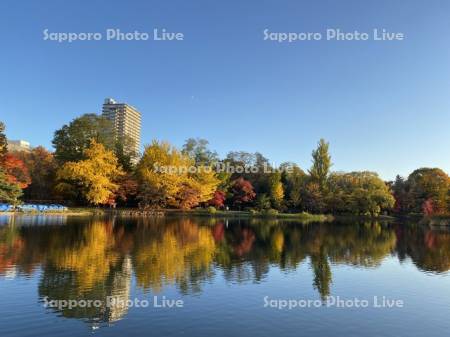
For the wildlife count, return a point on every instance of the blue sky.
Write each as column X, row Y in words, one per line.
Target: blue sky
column 384, row 106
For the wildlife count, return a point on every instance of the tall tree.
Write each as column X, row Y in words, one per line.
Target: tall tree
column 205, row 181
column 124, row 148
column 162, row 172
column 16, row 171
column 95, row 177
column 253, row 167
column 197, row 149
column 171, row 178
column 294, row 180
column 42, row 167
column 429, row 187
column 71, row 140
column 276, row 189
column 312, row 197
column 241, row 158
column 400, row 190
column 321, row 164
column 14, row 175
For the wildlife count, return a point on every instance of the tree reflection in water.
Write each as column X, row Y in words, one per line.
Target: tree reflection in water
column 93, row 259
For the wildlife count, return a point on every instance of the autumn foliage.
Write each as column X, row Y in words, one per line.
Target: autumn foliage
column 94, row 177
column 87, row 169
column 242, row 191
column 16, row 171
column 218, row 199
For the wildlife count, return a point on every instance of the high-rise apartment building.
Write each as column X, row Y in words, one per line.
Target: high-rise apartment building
column 127, row 123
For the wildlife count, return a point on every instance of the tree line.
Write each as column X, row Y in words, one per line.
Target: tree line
column 91, row 166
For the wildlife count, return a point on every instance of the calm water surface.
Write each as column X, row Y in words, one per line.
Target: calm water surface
column 229, row 274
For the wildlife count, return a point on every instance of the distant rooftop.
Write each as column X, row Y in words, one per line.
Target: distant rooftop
column 110, row 100
column 18, row 145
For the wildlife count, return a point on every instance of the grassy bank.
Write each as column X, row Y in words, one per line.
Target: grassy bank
column 439, row 220
column 210, row 212
column 255, row 214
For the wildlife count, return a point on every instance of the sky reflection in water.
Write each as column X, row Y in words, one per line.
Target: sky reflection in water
column 222, row 269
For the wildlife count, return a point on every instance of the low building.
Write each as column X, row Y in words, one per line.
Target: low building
column 18, row 146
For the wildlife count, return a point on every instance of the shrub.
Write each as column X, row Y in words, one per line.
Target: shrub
column 270, row 212
column 211, row 210
column 253, row 211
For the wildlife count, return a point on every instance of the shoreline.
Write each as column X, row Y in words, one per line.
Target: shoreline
column 435, row 221
column 171, row 212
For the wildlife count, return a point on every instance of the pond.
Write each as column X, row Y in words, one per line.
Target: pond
column 187, row 276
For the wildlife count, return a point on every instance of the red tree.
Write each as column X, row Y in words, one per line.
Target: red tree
column 242, row 191
column 16, row 171
column 218, row 199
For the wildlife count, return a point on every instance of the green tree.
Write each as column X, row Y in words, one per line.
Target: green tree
column 71, row 140
column 197, row 149
column 293, row 179
column 400, row 190
column 257, row 169
column 361, row 193
column 125, row 153
column 3, row 141
column 321, row 164
column 431, row 186
column 313, row 200
column 263, row 202
column 9, row 192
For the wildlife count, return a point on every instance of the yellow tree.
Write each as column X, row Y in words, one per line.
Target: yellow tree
column 95, row 176
column 162, row 172
column 206, row 180
column 170, row 177
column 276, row 189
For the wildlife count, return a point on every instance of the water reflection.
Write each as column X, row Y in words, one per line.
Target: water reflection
column 93, row 259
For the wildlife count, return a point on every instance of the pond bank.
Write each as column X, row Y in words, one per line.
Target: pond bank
column 89, row 211
column 435, row 221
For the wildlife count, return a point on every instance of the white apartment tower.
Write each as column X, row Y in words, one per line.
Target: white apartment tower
column 127, row 123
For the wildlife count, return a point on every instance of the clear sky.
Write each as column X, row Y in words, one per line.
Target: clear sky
column 383, row 105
